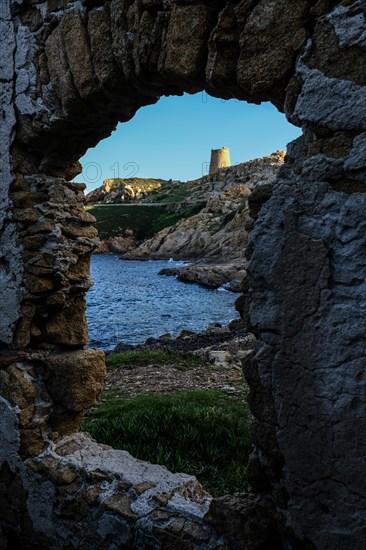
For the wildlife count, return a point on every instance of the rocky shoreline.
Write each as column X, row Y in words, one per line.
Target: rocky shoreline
column 224, row 336
column 222, row 349
column 228, row 276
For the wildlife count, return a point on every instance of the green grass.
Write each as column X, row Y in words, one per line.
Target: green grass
column 171, row 218
column 145, row 220
column 170, row 192
column 113, row 220
column 144, row 357
column 203, row 433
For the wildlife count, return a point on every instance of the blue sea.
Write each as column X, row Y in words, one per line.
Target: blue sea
column 130, row 302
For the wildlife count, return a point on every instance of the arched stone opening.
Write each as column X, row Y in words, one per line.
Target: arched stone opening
column 71, row 72
column 170, row 140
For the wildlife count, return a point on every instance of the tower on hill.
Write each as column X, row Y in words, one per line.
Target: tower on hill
column 220, row 158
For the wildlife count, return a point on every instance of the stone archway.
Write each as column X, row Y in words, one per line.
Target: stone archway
column 70, row 72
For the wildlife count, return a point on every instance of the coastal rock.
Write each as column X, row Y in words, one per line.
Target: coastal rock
column 117, row 245
column 121, row 245
column 102, row 247
column 204, row 236
column 234, row 339
column 229, row 276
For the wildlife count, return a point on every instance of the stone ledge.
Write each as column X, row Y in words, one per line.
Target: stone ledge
column 120, row 498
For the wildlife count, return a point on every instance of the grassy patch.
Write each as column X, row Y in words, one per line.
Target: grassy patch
column 144, row 357
column 203, row 433
column 170, row 192
column 171, row 218
column 113, row 220
column 145, row 220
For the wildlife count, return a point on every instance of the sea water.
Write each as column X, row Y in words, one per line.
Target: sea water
column 130, row 302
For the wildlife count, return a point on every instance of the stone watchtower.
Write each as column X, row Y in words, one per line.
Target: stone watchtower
column 220, row 158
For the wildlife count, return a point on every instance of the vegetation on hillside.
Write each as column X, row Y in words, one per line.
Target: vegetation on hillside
column 144, row 220
column 162, row 204
column 170, row 192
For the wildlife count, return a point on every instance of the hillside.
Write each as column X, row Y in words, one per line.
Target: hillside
column 201, row 220
column 140, row 219
column 216, row 232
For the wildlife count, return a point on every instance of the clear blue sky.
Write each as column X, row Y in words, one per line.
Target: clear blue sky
column 173, row 139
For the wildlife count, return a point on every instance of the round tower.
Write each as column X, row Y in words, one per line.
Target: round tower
column 220, row 158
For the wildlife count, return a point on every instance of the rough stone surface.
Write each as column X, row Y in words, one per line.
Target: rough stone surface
column 10, row 251
column 69, row 71
column 227, row 275
column 74, row 382
column 248, row 521
column 116, row 500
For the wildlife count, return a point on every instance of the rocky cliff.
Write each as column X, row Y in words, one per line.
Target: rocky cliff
column 119, row 190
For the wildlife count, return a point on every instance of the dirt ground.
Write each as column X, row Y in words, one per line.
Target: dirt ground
column 221, row 350
column 167, row 378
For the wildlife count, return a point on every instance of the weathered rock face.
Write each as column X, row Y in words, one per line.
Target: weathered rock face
column 117, row 245
column 69, row 71
column 230, row 275
column 123, row 190
column 197, row 237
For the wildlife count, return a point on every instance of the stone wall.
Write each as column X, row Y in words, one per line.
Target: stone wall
column 69, row 71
